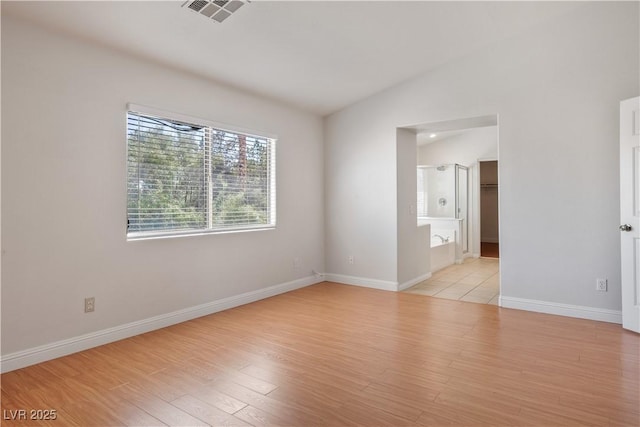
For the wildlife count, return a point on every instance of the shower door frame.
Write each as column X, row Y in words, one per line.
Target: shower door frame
column 464, row 223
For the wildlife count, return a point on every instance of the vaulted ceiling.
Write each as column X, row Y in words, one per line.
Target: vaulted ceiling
column 320, row 56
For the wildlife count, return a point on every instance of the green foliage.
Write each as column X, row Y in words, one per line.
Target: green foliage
column 236, row 211
column 169, row 165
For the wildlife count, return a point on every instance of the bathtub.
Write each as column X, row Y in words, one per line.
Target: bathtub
column 443, row 254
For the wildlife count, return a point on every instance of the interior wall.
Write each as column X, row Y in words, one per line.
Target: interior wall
column 414, row 248
column 556, row 90
column 64, row 193
column 360, row 205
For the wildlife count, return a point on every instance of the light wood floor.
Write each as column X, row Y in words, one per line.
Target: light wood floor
column 332, row 355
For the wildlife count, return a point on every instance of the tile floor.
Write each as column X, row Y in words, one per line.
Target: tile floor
column 475, row 280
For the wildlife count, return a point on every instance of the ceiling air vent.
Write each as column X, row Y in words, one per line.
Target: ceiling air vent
column 218, row 10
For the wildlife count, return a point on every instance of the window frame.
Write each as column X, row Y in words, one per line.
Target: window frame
column 172, row 116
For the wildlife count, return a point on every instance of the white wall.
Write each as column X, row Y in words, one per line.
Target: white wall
column 465, row 148
column 414, row 250
column 64, row 193
column 556, row 90
column 360, row 206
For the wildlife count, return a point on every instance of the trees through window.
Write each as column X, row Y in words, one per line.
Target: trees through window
column 185, row 178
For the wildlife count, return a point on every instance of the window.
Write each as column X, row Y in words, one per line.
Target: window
column 185, row 177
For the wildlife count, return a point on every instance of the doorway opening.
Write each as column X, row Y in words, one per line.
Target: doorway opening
column 457, row 197
column 489, row 220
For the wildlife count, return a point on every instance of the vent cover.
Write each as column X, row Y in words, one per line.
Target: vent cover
column 217, row 10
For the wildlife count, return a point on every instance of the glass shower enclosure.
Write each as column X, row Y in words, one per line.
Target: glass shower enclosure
column 443, row 194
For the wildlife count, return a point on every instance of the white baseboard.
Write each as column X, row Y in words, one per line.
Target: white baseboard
column 581, row 312
column 412, row 282
column 362, row 281
column 21, row 359
column 382, row 285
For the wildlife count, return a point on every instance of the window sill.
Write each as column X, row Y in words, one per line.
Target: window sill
column 137, row 236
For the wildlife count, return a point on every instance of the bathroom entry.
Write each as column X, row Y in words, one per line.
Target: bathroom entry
column 489, row 221
column 440, row 146
column 443, row 202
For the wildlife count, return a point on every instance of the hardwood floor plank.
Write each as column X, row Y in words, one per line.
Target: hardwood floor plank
column 152, row 384
column 337, row 355
column 438, row 414
column 562, row 415
column 205, row 374
column 106, row 413
column 289, row 411
column 64, row 367
column 319, row 396
column 23, row 380
column 218, row 399
column 158, row 408
column 259, row 418
column 367, row 415
column 180, row 379
column 55, row 395
column 311, row 367
column 206, row 412
column 317, row 399
column 625, row 419
column 239, row 377
column 421, row 376
column 609, row 408
column 388, row 401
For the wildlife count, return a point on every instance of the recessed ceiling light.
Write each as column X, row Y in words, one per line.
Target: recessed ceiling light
column 433, row 135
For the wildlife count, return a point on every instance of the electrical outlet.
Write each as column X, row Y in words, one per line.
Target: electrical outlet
column 296, row 264
column 601, row 285
column 350, row 258
column 89, row 305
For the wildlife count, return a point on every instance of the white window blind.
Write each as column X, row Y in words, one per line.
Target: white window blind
column 186, row 178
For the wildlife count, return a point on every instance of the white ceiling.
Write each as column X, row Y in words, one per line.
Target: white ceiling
column 426, row 133
column 319, row 56
column 426, row 138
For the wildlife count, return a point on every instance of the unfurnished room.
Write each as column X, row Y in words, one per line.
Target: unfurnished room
column 320, row 213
